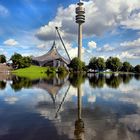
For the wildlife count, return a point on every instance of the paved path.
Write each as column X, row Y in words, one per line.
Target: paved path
column 4, row 68
column 4, row 72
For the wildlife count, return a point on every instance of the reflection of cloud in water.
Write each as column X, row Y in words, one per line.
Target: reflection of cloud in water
column 92, row 99
column 98, row 125
column 132, row 122
column 71, row 93
column 130, row 89
column 47, row 110
column 131, row 99
column 46, row 113
column 96, row 128
column 11, row 99
column 131, row 96
column 4, row 130
column 107, row 96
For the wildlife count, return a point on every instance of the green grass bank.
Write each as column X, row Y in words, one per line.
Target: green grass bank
column 32, row 72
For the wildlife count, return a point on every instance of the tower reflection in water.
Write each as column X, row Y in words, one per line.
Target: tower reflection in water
column 79, row 123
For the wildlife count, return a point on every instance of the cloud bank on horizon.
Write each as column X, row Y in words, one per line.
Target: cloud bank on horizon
column 112, row 28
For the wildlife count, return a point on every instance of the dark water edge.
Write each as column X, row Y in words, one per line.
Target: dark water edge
column 99, row 107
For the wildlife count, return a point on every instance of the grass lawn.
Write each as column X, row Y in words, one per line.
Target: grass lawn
column 32, row 72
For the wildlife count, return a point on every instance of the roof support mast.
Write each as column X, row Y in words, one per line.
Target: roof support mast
column 62, row 42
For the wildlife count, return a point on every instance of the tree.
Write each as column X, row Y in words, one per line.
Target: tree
column 100, row 64
column 113, row 63
column 19, row 61
column 137, row 69
column 2, row 58
column 25, row 62
column 76, row 64
column 93, row 63
column 126, row 67
column 16, row 59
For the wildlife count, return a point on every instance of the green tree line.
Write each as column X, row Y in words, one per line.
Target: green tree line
column 99, row 64
column 18, row 61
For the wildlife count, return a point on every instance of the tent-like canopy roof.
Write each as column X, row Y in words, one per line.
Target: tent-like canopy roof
column 51, row 55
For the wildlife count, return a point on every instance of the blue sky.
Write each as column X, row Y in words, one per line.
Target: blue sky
column 112, row 28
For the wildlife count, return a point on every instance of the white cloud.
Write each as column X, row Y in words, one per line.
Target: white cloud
column 47, row 32
column 129, row 49
column 114, row 13
column 10, row 42
column 131, row 44
column 106, row 48
column 133, row 22
column 41, row 46
column 2, row 51
column 92, row 45
column 128, row 55
column 99, row 18
column 3, row 11
column 73, row 52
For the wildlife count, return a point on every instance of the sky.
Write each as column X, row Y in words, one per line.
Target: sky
column 112, row 28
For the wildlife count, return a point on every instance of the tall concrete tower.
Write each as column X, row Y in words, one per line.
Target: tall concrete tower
column 80, row 19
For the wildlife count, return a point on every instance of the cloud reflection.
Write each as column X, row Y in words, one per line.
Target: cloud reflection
column 106, row 111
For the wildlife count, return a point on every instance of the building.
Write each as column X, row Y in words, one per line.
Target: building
column 51, row 58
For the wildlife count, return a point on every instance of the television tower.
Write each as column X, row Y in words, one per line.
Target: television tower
column 80, row 19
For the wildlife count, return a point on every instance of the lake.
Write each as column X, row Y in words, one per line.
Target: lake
column 75, row 107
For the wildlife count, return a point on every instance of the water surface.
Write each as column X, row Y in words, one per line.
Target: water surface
column 92, row 107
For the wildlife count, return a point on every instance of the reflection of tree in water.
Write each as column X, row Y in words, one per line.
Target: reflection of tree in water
column 62, row 75
column 20, row 82
column 114, row 81
column 137, row 76
column 50, row 84
column 2, row 85
column 77, row 79
column 97, row 81
column 126, row 78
